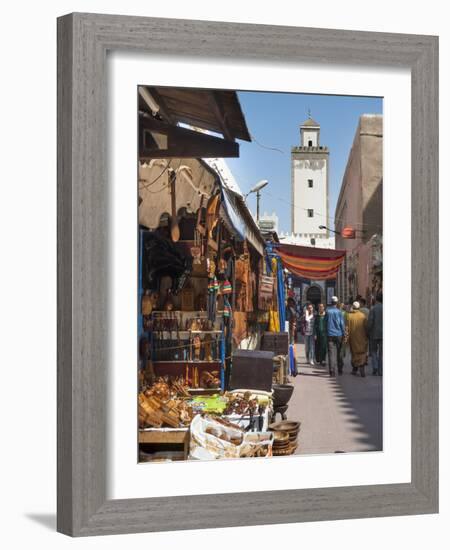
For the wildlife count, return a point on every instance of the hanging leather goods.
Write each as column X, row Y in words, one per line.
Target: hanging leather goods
column 187, row 299
column 207, row 343
column 200, row 228
column 210, row 212
column 174, row 227
column 195, row 377
column 197, row 347
column 146, row 304
column 196, row 250
column 168, row 304
column 212, row 218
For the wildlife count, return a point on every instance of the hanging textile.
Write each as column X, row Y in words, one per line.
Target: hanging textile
column 277, row 314
column 240, row 330
column 265, row 293
column 318, row 264
column 274, row 321
column 274, row 313
column 281, row 295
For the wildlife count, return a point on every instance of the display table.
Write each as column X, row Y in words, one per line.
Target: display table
column 166, row 436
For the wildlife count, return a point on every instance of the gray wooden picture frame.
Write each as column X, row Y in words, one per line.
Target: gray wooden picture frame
column 83, row 42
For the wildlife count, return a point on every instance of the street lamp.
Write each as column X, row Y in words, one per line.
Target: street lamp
column 328, row 229
column 257, row 189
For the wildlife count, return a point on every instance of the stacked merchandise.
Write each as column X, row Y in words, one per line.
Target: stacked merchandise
column 161, row 405
column 285, row 436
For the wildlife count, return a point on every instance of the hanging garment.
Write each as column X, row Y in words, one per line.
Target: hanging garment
column 239, row 326
column 274, row 321
column 213, row 287
column 227, row 311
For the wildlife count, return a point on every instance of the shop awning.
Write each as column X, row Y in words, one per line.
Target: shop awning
column 215, row 110
column 189, row 123
column 318, row 264
column 239, row 220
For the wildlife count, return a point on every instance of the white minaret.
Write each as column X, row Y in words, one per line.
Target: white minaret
column 309, row 180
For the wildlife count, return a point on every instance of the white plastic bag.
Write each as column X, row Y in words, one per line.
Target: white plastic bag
column 205, row 443
column 206, row 446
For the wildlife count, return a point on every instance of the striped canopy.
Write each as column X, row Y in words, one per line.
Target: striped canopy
column 318, row 264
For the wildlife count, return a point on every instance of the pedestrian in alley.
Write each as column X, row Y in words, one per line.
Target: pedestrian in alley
column 344, row 311
column 363, row 307
column 335, row 332
column 307, row 330
column 291, row 317
column 320, row 335
column 375, row 331
column 357, row 339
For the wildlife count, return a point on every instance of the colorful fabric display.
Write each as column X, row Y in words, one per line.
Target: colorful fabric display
column 213, row 285
column 226, row 287
column 226, row 307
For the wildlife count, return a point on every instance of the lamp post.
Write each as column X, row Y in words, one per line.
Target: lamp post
column 257, row 189
column 328, row 229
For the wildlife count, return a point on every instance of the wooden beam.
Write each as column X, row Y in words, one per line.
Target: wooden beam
column 164, row 111
column 181, row 142
column 219, row 112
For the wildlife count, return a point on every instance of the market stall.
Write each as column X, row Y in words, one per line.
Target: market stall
column 206, row 289
column 199, row 269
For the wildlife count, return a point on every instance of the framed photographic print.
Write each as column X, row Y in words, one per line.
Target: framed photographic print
column 247, row 256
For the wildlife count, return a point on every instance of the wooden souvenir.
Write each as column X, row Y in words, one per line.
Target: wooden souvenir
column 187, row 299
column 197, row 347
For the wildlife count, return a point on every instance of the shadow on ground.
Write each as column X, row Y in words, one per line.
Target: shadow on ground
column 353, row 404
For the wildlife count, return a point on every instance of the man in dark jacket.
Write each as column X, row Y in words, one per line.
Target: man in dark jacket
column 335, row 331
column 375, row 330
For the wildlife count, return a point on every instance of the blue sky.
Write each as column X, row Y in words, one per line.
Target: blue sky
column 273, row 120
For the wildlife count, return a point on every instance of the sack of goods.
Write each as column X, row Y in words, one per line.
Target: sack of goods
column 213, row 438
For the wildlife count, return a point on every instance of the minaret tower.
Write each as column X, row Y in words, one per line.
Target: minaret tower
column 309, row 180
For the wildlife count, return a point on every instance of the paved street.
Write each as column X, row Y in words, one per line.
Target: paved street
column 341, row 414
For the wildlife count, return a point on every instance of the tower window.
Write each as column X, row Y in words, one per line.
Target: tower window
column 310, row 183
column 310, row 213
column 310, row 143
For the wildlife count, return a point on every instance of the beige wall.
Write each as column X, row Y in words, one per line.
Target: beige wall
column 360, row 202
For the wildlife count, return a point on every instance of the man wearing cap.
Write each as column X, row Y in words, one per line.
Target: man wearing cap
column 357, row 338
column 335, row 331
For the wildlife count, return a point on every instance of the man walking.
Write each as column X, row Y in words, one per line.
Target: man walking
column 335, row 332
column 357, row 338
column 363, row 307
column 375, row 330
